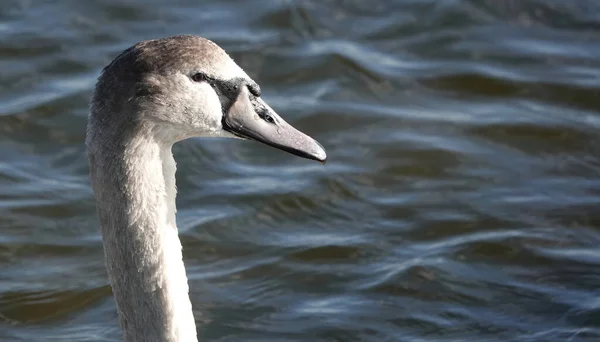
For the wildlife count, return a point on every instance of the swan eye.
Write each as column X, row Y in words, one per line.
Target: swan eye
column 199, row 77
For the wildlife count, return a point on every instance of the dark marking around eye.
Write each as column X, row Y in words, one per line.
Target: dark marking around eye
column 254, row 89
column 228, row 90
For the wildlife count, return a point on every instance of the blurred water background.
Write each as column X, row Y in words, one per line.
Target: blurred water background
column 461, row 200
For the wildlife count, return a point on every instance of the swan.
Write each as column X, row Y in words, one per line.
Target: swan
column 152, row 95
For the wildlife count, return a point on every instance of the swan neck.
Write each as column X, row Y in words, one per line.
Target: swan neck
column 134, row 184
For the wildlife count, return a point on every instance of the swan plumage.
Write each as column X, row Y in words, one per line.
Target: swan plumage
column 152, row 95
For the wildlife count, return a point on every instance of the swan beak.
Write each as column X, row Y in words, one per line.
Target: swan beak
column 250, row 117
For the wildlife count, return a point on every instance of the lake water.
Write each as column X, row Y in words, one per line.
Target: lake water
column 460, row 202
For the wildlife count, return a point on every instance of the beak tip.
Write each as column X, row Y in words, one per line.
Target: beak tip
column 319, row 153
column 321, row 156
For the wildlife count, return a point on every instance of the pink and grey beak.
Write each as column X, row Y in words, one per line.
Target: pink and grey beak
column 250, row 117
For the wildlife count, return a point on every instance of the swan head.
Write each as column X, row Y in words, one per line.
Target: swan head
column 187, row 86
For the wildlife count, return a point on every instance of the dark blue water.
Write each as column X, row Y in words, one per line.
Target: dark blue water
column 460, row 201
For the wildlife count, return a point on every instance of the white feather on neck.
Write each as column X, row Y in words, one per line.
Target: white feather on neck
column 142, row 247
